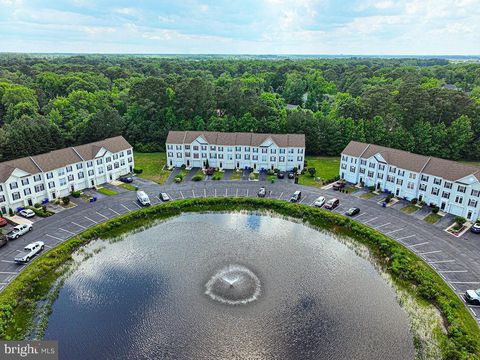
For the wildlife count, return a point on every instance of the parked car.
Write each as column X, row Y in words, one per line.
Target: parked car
column 475, row 228
column 352, row 211
column 262, row 192
column 126, row 179
column 297, row 195
column 143, row 198
column 18, row 231
column 281, row 175
column 339, row 185
column 3, row 222
column 210, row 171
column 29, row 252
column 472, row 296
column 3, row 241
column 332, row 204
column 319, row 202
column 291, row 175
column 164, row 197
column 27, row 213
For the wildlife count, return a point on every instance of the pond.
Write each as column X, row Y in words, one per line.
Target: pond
column 228, row 286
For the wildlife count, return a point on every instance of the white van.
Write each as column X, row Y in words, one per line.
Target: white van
column 143, row 198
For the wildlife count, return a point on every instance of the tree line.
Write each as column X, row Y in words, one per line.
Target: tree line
column 428, row 106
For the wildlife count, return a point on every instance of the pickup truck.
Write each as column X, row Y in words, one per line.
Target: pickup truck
column 18, row 231
column 29, row 252
column 339, row 185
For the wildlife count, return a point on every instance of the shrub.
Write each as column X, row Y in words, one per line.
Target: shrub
column 295, row 169
column 460, row 220
column 37, row 205
column 435, row 209
column 371, row 188
column 66, row 200
column 312, row 171
column 197, row 178
column 216, row 177
column 75, row 194
column 10, row 212
column 137, row 170
column 178, row 179
column 270, row 172
column 414, row 201
column 42, row 212
column 183, row 167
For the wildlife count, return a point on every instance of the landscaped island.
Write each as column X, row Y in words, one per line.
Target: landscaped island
column 18, row 300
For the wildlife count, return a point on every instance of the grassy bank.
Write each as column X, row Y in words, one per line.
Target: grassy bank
column 326, row 168
column 17, row 301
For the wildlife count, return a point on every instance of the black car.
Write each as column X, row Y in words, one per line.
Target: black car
column 126, row 179
column 281, row 175
column 353, row 211
column 291, row 175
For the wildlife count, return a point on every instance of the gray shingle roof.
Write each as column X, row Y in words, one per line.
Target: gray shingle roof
column 60, row 158
column 447, row 169
column 236, row 138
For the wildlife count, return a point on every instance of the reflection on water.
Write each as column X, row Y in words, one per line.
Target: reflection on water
column 146, row 297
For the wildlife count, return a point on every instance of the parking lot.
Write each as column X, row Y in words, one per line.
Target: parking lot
column 454, row 259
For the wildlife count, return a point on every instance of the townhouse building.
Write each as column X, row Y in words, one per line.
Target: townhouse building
column 235, row 150
column 45, row 177
column 450, row 185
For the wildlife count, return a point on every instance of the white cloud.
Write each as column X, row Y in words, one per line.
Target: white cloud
column 126, row 11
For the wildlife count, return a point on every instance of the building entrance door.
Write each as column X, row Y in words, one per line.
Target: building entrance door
column 442, row 207
column 469, row 215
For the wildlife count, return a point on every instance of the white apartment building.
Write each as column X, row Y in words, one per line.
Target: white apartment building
column 35, row 179
column 452, row 186
column 196, row 149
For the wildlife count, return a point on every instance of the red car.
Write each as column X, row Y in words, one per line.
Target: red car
column 3, row 222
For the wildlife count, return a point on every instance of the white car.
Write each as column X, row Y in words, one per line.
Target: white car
column 27, row 213
column 143, row 198
column 164, row 197
column 18, row 231
column 29, row 252
column 319, row 202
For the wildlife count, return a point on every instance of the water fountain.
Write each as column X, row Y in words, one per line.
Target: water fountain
column 233, row 285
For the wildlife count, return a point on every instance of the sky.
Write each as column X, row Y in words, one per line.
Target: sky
column 310, row 27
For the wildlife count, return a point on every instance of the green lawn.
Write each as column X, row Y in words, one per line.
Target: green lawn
column 432, row 218
column 367, row 195
column 236, row 175
column 410, row 208
column 200, row 174
column 106, row 191
column 152, row 165
column 128, row 187
column 217, row 175
column 326, row 168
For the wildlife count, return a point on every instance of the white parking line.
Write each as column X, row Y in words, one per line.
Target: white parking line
column 183, row 197
column 8, row 272
column 361, row 214
column 420, row 244
column 280, row 196
column 441, row 261
column 226, row 192
column 302, row 199
column 215, row 192
column 193, row 193
column 452, row 271
column 247, row 192
column 54, row 237
column 8, row 261
column 430, row 252
column 204, row 193
column 378, row 227
column 135, row 203
column 80, row 226
column 465, row 282
column 126, row 207
column 406, row 237
column 366, row 222
column 236, row 193
column 93, row 221
column 393, row 231
column 67, row 231
column 116, row 212
column 104, row 215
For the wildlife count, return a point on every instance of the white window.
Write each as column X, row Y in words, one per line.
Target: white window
column 410, row 185
column 51, row 184
column 63, row 181
column 399, row 182
column 475, row 192
column 27, row 191
column 447, row 185
column 79, row 166
column 13, row 185
column 81, row 175
column 25, row 182
column 422, row 187
column 16, row 196
column 413, row 176
column 459, row 199
column 461, row 188
column 2, row 198
column 37, row 178
column 472, row 203
column 435, row 191
column 69, row 168
column 70, row 178
column 90, row 172
column 446, row 195
column 99, row 161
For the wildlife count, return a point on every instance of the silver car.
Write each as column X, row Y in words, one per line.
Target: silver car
column 472, row 296
column 27, row 213
column 319, row 202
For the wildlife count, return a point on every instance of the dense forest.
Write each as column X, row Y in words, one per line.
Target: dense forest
column 429, row 106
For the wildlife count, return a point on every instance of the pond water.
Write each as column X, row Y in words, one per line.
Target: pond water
column 228, row 286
